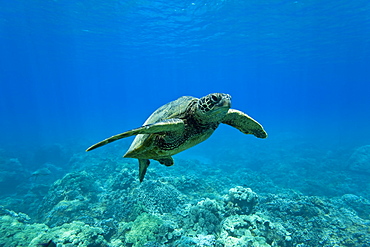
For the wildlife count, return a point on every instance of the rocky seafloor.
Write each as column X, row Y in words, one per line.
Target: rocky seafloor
column 299, row 195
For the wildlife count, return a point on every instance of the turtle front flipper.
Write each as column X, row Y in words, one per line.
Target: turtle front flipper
column 244, row 123
column 169, row 125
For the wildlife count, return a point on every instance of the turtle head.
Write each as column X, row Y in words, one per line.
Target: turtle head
column 213, row 107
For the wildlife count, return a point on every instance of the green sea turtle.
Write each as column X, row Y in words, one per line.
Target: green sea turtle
column 182, row 124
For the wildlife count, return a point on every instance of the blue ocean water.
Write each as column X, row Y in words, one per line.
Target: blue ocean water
column 75, row 72
column 76, row 68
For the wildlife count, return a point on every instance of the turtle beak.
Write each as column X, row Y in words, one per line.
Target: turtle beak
column 225, row 101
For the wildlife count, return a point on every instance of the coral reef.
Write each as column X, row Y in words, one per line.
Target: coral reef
column 204, row 217
column 144, row 229
column 315, row 221
column 252, row 230
column 100, row 202
column 156, row 197
column 68, row 199
column 244, row 198
column 12, row 175
column 15, row 231
column 360, row 160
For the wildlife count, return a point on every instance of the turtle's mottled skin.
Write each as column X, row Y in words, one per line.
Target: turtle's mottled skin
column 181, row 124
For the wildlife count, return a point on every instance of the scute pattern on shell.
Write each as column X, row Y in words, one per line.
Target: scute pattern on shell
column 170, row 110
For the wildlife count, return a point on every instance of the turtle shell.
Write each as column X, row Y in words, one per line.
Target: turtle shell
column 173, row 109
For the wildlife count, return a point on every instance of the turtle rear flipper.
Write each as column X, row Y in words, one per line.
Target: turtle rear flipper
column 169, row 125
column 143, row 165
column 167, row 161
column 244, row 123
